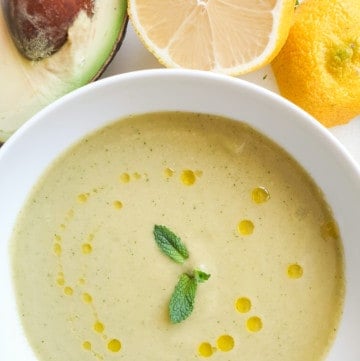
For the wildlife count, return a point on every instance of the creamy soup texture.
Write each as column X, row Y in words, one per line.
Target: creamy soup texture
column 92, row 284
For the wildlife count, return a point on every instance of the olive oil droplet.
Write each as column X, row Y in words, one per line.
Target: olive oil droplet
column 260, row 195
column 246, row 227
column 57, row 249
column 86, row 345
column 205, row 349
column 125, row 178
column 114, row 345
column 254, row 324
column 68, row 291
column 225, row 343
column 86, row 248
column 295, row 271
column 87, row 298
column 168, row 172
column 117, row 204
column 188, row 177
column 243, row 305
column 99, row 327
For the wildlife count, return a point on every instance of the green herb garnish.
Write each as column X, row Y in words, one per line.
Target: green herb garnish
column 183, row 298
column 170, row 244
column 201, row 276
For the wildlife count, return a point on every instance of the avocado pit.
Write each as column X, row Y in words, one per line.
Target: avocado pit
column 39, row 28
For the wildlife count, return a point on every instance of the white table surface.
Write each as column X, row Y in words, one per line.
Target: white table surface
column 134, row 56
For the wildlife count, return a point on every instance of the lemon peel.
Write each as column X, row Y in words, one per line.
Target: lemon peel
column 319, row 66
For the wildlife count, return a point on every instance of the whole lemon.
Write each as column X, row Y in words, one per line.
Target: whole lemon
column 319, row 66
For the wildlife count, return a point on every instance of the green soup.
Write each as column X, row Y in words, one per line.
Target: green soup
column 92, row 284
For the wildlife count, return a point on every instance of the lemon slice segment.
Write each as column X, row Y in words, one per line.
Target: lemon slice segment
column 227, row 36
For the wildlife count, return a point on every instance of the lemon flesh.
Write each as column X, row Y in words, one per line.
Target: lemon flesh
column 232, row 37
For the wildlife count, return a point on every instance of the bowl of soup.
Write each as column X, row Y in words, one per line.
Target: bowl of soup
column 178, row 215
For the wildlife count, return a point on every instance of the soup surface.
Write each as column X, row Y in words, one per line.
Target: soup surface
column 92, row 283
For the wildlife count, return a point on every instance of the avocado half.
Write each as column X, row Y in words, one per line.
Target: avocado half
column 27, row 86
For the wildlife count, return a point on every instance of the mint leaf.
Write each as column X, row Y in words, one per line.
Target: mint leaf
column 170, row 244
column 201, row 276
column 183, row 298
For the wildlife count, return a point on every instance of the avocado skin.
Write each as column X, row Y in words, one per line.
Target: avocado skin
column 117, row 47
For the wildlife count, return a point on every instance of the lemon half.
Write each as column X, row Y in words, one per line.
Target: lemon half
column 226, row 36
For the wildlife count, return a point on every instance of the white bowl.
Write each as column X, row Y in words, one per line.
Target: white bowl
column 25, row 156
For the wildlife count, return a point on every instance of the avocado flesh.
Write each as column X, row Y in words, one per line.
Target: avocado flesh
column 28, row 86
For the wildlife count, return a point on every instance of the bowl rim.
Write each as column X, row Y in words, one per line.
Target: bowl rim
column 339, row 153
column 136, row 74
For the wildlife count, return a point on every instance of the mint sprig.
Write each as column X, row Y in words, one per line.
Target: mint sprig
column 182, row 300
column 170, row 244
